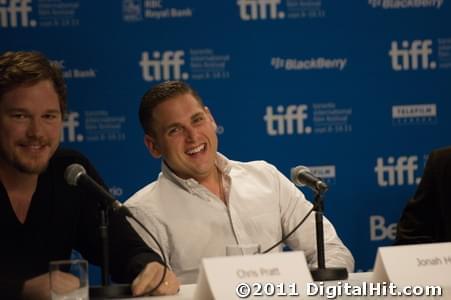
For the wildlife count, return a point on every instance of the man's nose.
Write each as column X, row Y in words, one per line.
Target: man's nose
column 35, row 128
column 190, row 133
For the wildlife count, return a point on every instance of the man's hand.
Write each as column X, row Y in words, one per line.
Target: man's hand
column 63, row 283
column 37, row 288
column 150, row 277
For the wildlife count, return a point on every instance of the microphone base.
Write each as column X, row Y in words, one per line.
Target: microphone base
column 110, row 291
column 327, row 274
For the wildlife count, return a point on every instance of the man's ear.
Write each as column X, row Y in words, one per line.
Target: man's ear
column 210, row 116
column 152, row 146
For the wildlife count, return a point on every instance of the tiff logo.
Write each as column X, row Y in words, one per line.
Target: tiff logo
column 395, row 171
column 409, row 55
column 13, row 11
column 287, row 120
column 259, row 10
column 70, row 125
column 163, row 66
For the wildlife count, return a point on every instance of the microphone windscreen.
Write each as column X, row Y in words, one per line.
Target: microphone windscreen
column 295, row 174
column 73, row 172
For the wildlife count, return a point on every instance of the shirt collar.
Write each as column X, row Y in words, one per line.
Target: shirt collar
column 221, row 162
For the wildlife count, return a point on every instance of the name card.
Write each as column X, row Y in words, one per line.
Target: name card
column 422, row 264
column 281, row 275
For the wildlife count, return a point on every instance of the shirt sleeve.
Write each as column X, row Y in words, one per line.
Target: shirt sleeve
column 153, row 226
column 294, row 207
column 129, row 253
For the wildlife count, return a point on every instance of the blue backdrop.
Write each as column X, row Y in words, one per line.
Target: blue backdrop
column 357, row 90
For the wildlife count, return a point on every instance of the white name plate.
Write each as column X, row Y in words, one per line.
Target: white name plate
column 422, row 264
column 274, row 275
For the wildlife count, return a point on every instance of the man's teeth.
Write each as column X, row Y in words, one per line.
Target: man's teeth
column 34, row 147
column 196, row 150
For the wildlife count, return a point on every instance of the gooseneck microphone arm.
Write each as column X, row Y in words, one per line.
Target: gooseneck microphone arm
column 76, row 175
column 302, row 176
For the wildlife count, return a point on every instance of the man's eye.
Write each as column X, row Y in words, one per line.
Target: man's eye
column 19, row 116
column 174, row 130
column 198, row 119
column 50, row 116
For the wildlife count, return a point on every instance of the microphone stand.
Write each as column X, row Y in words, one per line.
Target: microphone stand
column 107, row 290
column 322, row 273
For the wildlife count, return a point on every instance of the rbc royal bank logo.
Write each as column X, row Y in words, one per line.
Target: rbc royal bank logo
column 260, row 10
column 165, row 65
column 16, row 13
column 397, row 171
column 69, row 130
column 287, row 120
column 413, row 55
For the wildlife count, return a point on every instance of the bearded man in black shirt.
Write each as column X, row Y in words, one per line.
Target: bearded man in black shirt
column 42, row 218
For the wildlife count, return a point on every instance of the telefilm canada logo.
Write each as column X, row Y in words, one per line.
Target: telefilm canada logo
column 326, row 172
column 414, row 114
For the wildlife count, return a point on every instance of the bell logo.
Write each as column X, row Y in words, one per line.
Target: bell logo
column 287, row 121
column 163, row 66
column 379, row 231
column 411, row 56
column 259, row 10
column 395, row 171
column 70, row 125
column 15, row 13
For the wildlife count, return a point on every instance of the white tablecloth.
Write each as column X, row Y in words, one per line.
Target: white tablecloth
column 187, row 291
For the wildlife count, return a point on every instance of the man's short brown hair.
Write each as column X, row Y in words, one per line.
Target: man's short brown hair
column 26, row 68
column 158, row 94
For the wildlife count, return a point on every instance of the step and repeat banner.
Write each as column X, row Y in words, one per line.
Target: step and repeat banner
column 359, row 91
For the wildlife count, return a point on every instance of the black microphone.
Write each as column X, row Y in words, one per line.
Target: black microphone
column 302, row 176
column 76, row 175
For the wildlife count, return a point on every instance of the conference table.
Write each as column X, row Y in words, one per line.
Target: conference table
column 187, row 290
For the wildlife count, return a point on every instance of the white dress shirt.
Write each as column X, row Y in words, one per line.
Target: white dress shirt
column 190, row 222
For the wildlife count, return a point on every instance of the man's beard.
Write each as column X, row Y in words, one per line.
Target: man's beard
column 27, row 163
column 31, row 169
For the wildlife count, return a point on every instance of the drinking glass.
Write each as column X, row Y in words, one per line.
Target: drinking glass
column 69, row 280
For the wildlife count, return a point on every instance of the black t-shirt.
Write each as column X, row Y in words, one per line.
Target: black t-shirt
column 61, row 218
column 426, row 217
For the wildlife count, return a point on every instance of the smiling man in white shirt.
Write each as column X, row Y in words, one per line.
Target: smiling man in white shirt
column 202, row 201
